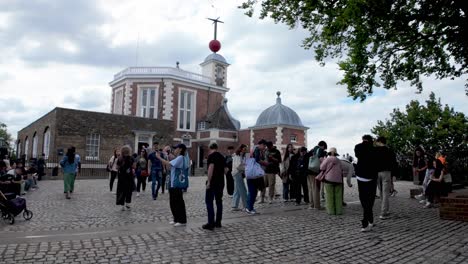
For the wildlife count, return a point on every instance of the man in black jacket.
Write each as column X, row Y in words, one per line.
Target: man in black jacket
column 366, row 175
column 273, row 160
column 386, row 168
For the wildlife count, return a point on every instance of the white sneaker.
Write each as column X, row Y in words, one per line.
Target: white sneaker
column 366, row 229
column 422, row 201
column 138, row 194
column 419, row 196
column 428, row 205
column 270, row 201
column 171, row 222
column 179, row 224
column 123, row 208
column 384, row 217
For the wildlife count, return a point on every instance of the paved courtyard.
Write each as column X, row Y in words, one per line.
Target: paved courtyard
column 90, row 228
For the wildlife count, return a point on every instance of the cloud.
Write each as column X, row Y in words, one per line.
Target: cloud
column 64, row 53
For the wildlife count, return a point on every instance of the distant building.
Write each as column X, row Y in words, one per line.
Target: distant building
column 278, row 124
column 164, row 104
column 94, row 135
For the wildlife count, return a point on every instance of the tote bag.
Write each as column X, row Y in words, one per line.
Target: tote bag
column 181, row 180
column 314, row 162
column 253, row 170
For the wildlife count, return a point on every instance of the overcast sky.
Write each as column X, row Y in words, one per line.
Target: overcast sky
column 64, row 53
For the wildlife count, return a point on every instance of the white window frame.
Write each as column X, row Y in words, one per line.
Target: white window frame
column 193, row 111
column 34, row 145
column 26, row 147
column 91, row 137
column 139, row 109
column 18, row 149
column 293, row 139
column 118, row 101
column 46, row 143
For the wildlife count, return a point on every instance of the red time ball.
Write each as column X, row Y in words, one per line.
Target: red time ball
column 214, row 45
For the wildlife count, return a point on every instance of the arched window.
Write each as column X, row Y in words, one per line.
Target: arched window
column 46, row 143
column 34, row 146
column 26, row 147
column 18, row 149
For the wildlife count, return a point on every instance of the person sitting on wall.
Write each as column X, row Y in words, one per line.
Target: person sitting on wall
column 10, row 182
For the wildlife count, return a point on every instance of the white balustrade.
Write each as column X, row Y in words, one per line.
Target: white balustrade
column 138, row 71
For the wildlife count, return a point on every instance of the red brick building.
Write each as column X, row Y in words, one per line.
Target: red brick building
column 195, row 103
column 278, row 124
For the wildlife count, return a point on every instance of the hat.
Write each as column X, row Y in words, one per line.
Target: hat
column 333, row 152
column 181, row 146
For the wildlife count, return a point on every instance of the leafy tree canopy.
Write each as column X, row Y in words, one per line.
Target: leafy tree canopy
column 433, row 126
column 4, row 134
column 380, row 42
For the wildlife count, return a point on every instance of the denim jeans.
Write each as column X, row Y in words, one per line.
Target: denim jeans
column 240, row 192
column 252, row 184
column 155, row 178
column 210, row 195
column 286, row 190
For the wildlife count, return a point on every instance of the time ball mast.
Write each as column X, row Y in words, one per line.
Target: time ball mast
column 215, row 45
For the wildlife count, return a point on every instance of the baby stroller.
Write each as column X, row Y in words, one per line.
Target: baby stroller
column 11, row 207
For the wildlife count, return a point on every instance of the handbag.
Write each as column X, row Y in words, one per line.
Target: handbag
column 322, row 174
column 181, row 177
column 144, row 173
column 314, row 162
column 109, row 168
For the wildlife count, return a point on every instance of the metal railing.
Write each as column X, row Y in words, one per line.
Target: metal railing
column 141, row 71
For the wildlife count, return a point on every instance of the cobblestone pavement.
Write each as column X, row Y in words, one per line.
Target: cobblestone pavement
column 89, row 228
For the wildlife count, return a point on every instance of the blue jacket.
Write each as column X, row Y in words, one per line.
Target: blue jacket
column 67, row 166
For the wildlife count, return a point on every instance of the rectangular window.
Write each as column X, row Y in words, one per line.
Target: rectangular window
column 186, row 109
column 293, row 139
column 92, row 146
column 148, row 102
column 118, row 102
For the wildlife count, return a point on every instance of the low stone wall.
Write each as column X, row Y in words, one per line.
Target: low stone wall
column 454, row 208
column 414, row 192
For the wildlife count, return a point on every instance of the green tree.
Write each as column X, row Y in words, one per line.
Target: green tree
column 4, row 135
column 380, row 42
column 431, row 125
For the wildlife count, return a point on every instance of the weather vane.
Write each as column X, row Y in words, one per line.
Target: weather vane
column 215, row 22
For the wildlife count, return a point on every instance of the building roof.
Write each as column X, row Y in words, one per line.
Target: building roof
column 216, row 57
column 222, row 119
column 278, row 114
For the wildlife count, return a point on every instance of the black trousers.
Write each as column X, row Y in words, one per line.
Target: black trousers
column 125, row 187
column 300, row 189
column 177, row 204
column 211, row 195
column 112, row 179
column 367, row 192
column 229, row 183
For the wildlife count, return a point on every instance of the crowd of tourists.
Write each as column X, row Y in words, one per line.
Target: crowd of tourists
column 311, row 177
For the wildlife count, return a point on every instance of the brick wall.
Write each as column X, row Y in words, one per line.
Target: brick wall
column 70, row 127
column 454, row 208
column 39, row 127
column 269, row 134
column 299, row 133
column 244, row 137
